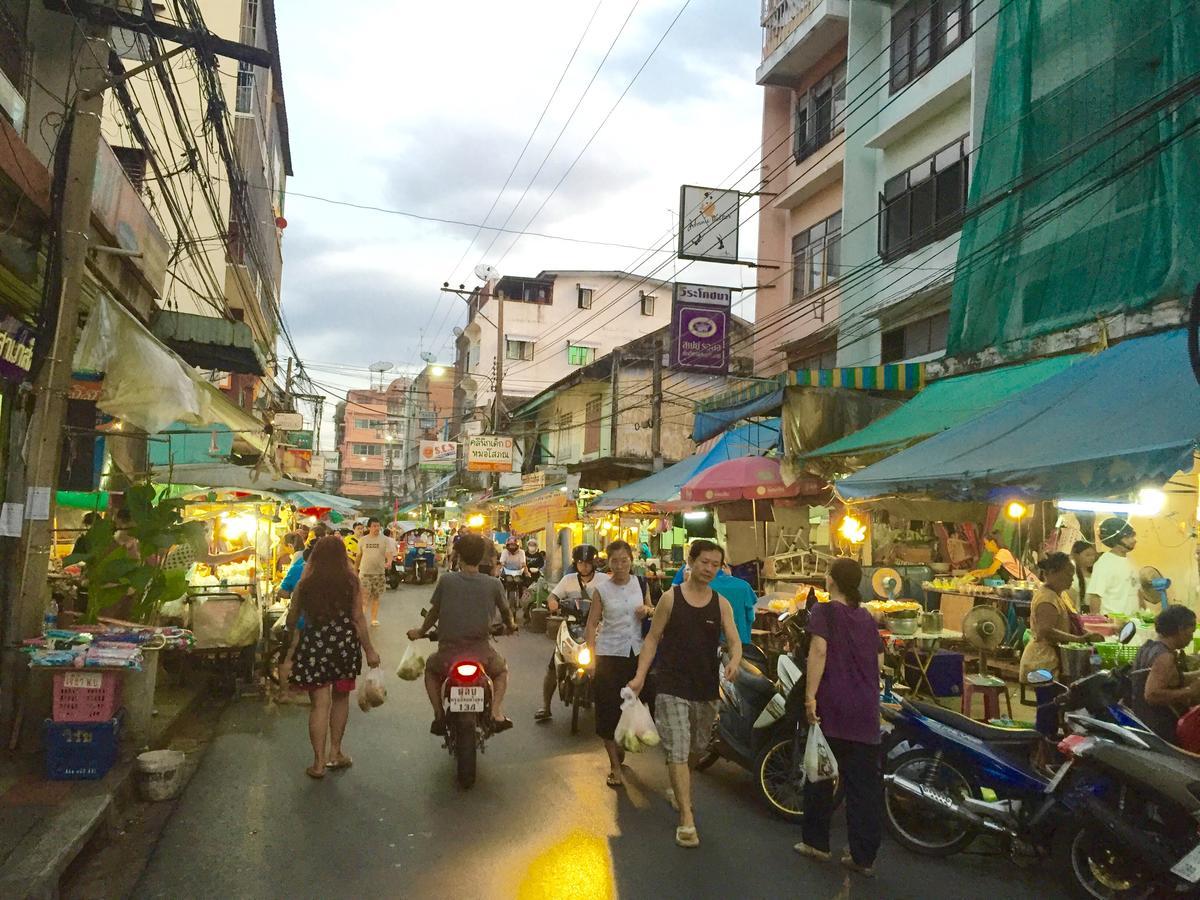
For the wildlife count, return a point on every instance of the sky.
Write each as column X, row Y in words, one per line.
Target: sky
column 424, row 108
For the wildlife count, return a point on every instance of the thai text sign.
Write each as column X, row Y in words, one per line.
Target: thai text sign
column 489, row 453
column 700, row 318
column 438, row 456
column 708, row 224
column 16, row 349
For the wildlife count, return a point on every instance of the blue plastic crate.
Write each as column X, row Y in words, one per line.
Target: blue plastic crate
column 81, row 751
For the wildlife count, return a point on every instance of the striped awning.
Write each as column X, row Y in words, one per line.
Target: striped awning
column 892, row 377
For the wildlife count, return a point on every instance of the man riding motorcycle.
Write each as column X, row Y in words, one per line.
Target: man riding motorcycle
column 574, row 587
column 462, row 607
column 535, row 561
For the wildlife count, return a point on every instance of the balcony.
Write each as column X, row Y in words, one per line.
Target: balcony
column 796, row 34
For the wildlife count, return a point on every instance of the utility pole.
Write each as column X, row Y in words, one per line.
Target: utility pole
column 612, row 414
column 287, row 384
column 498, row 403
column 656, row 398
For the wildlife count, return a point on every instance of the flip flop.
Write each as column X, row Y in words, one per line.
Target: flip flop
column 344, row 763
column 499, row 725
column 543, row 715
column 315, row 774
column 614, row 780
column 686, row 836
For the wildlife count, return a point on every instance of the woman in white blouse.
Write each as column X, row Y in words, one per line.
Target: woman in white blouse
column 614, row 634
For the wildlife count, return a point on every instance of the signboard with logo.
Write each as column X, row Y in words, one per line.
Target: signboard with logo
column 300, row 439
column 708, row 224
column 489, row 453
column 294, row 462
column 700, row 324
column 16, row 349
column 438, row 456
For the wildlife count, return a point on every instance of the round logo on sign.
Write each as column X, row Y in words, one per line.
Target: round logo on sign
column 702, row 327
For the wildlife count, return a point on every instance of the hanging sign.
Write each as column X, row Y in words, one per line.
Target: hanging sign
column 16, row 349
column 302, row 440
column 700, row 319
column 708, row 224
column 489, row 453
column 438, row 456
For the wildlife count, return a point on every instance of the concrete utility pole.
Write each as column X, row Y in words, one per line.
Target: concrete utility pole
column 497, row 405
column 612, row 423
column 656, row 398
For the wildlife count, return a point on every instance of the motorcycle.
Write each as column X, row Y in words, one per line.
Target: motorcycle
column 761, row 726
column 514, row 582
column 574, row 666
column 395, row 572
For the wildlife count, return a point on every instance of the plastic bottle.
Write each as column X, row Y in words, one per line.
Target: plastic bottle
column 50, row 617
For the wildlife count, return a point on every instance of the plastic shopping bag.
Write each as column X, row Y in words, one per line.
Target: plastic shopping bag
column 372, row 693
column 412, row 664
column 819, row 762
column 635, row 729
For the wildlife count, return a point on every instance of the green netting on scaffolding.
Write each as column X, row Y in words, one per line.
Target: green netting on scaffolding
column 1085, row 198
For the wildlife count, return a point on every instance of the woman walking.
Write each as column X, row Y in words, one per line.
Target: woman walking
column 842, row 695
column 614, row 634
column 326, row 652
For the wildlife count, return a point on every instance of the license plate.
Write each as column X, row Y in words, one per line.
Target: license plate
column 466, row 699
column 1188, row 868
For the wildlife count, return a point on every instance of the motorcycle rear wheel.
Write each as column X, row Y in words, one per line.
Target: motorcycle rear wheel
column 781, row 785
column 915, row 823
column 1104, row 870
column 464, row 749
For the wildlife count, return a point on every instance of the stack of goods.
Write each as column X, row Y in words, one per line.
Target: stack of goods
column 880, row 609
column 82, row 736
column 103, row 646
column 784, row 602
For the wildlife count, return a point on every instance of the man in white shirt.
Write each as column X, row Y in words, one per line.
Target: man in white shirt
column 1113, row 586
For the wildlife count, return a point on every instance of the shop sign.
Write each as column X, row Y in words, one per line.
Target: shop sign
column 700, row 319
column 300, row 439
column 16, row 349
column 85, row 389
column 489, row 453
column 708, row 224
column 293, row 461
column 543, row 476
column 438, row 456
column 535, row 516
column 472, row 428
column 316, row 468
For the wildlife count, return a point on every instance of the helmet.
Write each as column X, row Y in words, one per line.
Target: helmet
column 531, row 544
column 584, row 553
column 512, row 542
column 1113, row 529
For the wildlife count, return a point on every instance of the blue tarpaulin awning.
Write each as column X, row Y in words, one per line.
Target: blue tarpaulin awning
column 319, row 499
column 1121, row 419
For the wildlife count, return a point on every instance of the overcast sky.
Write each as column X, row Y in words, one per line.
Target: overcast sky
column 424, row 108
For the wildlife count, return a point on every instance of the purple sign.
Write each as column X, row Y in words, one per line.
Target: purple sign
column 700, row 329
column 16, row 349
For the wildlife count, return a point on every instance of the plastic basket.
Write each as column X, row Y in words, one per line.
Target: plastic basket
column 81, row 750
column 86, row 696
column 1116, row 654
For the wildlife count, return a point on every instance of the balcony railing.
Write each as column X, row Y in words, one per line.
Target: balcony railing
column 780, row 18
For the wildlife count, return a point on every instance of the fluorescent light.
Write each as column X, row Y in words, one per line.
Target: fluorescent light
column 695, row 515
column 1150, row 502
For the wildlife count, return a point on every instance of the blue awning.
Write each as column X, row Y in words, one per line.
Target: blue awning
column 1121, row 419
column 306, row 499
column 711, row 423
column 657, row 488
column 752, row 439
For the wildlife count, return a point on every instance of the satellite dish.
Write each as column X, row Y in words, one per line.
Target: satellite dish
column 456, row 331
column 484, row 272
column 428, row 357
column 381, row 367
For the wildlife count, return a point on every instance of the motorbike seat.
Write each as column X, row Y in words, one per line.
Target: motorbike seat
column 749, row 678
column 980, row 730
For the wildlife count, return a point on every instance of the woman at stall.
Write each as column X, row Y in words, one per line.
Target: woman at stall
column 325, row 656
column 1083, row 555
column 614, row 634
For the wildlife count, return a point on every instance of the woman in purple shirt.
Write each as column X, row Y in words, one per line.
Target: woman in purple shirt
column 842, row 694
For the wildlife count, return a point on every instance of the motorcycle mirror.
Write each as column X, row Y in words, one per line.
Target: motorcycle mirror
column 1128, row 630
column 783, row 617
column 1040, row 676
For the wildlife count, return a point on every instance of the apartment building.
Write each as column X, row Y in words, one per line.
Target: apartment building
column 554, row 323
column 870, row 118
column 370, row 436
column 427, row 415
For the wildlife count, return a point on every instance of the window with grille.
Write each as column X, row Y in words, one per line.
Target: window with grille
column 923, row 34
column 244, row 101
column 367, row 450
column 365, row 475
column 915, row 339
column 647, row 303
column 518, row 349
column 819, row 114
column 924, row 203
column 566, row 437
column 816, row 257
column 580, row 356
column 585, row 297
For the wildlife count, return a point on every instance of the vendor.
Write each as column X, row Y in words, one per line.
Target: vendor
column 1161, row 693
column 1083, row 555
column 1003, row 564
column 1114, row 584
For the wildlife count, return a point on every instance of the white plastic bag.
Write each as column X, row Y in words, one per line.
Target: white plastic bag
column 372, row 693
column 412, row 664
column 819, row 762
column 635, row 729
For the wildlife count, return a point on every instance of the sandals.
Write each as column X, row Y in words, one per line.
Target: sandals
column 315, row 774
column 811, row 852
column 614, row 780
column 499, row 725
column 342, row 762
column 543, row 715
column 849, row 863
column 686, row 836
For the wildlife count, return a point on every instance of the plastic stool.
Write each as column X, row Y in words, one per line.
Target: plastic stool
column 991, row 688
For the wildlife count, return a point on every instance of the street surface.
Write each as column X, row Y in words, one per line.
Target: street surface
column 539, row 822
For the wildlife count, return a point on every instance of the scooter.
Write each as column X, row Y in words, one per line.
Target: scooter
column 574, row 666
column 514, row 582
column 395, row 572
column 761, row 725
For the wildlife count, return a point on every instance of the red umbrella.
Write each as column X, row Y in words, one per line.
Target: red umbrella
column 744, row 478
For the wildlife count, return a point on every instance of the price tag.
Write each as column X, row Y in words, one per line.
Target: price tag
column 91, row 680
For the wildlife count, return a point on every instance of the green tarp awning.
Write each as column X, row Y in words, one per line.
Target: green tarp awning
column 944, row 404
column 209, row 342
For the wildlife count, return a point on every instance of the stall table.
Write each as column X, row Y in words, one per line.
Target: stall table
column 899, row 644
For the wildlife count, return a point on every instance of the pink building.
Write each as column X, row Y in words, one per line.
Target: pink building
column 370, row 434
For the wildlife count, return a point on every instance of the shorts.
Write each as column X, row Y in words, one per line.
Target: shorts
column 373, row 585
column 438, row 665
column 685, row 726
column 341, row 686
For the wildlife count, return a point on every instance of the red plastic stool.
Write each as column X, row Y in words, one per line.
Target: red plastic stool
column 991, row 688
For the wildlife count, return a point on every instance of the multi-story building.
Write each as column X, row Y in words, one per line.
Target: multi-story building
column 870, row 117
column 554, row 323
column 370, row 436
column 427, row 415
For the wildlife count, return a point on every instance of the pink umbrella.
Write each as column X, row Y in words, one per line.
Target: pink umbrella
column 744, row 478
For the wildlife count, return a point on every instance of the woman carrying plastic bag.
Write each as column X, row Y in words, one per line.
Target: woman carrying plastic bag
column 842, row 708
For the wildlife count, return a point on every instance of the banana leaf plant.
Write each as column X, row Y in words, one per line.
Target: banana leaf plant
column 113, row 571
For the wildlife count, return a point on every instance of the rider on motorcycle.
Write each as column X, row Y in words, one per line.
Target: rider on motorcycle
column 513, row 557
column 575, row 586
column 535, row 559
column 462, row 607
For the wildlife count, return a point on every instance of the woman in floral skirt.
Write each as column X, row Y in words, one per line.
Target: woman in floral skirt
column 326, row 652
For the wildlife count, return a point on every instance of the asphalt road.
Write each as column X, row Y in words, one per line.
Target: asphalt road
column 539, row 823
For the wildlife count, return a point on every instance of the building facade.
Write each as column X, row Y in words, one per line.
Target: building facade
column 370, row 437
column 427, row 416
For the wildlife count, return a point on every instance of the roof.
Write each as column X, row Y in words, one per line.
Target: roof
column 225, row 475
column 1112, row 422
column 277, row 81
column 944, row 404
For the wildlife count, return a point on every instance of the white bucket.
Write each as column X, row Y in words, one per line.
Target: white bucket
column 159, row 774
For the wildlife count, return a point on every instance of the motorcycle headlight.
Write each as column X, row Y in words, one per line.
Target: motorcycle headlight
column 585, row 656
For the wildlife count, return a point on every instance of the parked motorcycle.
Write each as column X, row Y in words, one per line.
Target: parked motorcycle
column 761, row 725
column 574, row 666
column 420, row 560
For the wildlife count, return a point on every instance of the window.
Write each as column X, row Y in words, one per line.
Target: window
column 244, row 101
column 826, row 360
column 919, row 338
column 566, row 446
column 923, row 33
column 518, row 349
column 367, row 450
column 816, row 258
column 585, row 297
column 647, row 303
column 591, row 426
column 811, row 354
column 365, row 475
column 925, row 203
column 820, row 114
column 580, row 356
column 133, row 161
